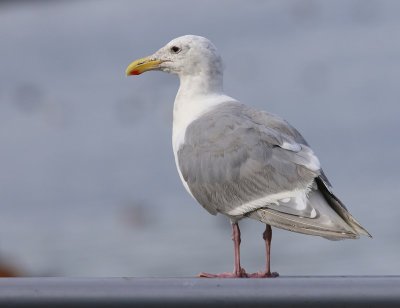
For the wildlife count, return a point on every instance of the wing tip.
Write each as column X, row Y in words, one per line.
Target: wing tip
column 362, row 231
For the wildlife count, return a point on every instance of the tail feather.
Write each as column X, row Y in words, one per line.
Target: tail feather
column 333, row 221
column 339, row 208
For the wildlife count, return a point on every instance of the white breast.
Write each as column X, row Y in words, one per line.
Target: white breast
column 186, row 110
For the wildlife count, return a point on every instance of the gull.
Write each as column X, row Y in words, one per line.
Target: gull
column 242, row 162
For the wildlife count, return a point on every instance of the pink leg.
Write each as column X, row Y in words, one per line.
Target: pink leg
column 267, row 236
column 238, row 271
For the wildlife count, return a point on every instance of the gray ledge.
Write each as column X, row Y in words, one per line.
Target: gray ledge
column 332, row 291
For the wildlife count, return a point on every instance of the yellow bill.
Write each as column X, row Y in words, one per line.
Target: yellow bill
column 142, row 65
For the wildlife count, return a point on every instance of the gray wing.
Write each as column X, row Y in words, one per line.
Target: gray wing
column 230, row 159
column 238, row 161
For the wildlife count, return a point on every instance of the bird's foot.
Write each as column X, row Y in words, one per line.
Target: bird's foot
column 237, row 274
column 263, row 275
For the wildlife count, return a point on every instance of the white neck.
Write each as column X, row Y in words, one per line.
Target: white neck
column 200, row 84
column 196, row 95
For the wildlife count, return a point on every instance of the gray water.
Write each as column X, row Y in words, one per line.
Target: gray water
column 88, row 184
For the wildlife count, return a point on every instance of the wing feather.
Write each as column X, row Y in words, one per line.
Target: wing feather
column 229, row 160
column 242, row 162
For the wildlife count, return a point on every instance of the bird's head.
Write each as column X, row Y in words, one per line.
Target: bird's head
column 185, row 55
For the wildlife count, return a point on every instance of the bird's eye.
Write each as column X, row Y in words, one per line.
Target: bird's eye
column 175, row 49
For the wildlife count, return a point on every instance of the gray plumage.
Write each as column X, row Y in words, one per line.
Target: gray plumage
column 234, row 158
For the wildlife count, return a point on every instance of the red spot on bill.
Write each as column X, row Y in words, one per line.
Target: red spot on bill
column 135, row 72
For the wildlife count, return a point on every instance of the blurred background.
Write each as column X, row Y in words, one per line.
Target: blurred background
column 88, row 183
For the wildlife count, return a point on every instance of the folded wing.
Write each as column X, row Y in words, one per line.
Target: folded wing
column 241, row 162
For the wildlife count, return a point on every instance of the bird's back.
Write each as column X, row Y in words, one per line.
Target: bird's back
column 240, row 162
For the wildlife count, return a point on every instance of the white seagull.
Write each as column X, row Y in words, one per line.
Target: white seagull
column 242, row 162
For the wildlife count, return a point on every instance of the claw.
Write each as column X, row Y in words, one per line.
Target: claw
column 242, row 274
column 263, row 275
